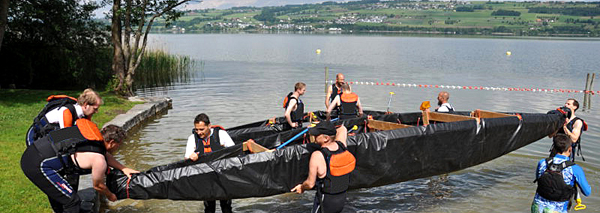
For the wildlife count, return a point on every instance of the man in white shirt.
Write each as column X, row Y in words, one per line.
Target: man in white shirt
column 206, row 139
column 443, row 105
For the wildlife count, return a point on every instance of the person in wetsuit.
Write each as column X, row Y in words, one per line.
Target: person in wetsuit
column 552, row 196
column 294, row 108
column 348, row 104
column 204, row 140
column 54, row 162
column 329, row 168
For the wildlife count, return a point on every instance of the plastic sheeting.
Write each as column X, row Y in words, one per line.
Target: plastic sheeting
column 383, row 158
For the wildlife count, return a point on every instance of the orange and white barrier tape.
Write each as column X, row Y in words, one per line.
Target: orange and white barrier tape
column 522, row 89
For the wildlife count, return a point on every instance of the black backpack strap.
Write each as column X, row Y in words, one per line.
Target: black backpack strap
column 71, row 108
column 548, row 161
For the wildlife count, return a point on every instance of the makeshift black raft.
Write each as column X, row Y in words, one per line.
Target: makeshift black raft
column 389, row 148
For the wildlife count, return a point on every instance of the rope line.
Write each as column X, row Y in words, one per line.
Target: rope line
column 521, row 89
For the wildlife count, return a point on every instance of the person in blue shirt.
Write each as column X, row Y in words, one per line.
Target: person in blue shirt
column 571, row 174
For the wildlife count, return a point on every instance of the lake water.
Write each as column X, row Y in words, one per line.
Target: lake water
column 246, row 76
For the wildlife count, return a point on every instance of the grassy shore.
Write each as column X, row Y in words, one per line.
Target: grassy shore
column 17, row 109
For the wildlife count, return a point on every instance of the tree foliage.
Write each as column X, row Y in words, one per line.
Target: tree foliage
column 53, row 44
column 131, row 22
column 572, row 11
column 506, row 13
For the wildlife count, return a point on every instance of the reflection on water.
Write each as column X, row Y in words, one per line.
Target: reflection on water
column 247, row 76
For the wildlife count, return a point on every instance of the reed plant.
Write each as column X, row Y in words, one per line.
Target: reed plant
column 160, row 68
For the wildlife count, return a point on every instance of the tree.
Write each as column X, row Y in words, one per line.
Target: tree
column 3, row 19
column 53, row 39
column 133, row 19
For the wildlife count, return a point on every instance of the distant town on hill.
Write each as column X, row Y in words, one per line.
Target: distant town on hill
column 506, row 18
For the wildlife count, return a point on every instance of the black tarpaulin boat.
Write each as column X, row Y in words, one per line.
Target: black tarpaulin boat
column 389, row 148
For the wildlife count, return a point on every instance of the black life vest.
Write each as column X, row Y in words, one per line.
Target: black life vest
column 214, row 142
column 83, row 137
column 577, row 145
column 340, row 164
column 41, row 126
column 334, row 92
column 298, row 114
column 348, row 108
column 551, row 184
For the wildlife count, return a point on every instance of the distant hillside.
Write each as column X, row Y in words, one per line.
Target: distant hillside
column 431, row 17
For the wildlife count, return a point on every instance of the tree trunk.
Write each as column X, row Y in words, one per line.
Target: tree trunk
column 3, row 19
column 118, row 65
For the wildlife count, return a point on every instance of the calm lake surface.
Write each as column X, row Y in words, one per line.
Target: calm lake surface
column 246, row 76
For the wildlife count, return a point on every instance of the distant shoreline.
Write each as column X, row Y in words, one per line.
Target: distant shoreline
column 393, row 33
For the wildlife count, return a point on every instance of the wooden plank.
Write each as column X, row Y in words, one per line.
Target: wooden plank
column 382, row 125
column 253, row 147
column 445, row 117
column 487, row 114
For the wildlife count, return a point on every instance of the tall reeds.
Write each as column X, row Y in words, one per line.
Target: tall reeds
column 159, row 68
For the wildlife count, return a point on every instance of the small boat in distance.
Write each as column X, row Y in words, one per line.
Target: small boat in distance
column 389, row 148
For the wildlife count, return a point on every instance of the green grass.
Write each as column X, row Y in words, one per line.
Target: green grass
column 17, row 109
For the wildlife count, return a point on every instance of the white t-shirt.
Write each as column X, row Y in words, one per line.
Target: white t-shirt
column 57, row 115
column 225, row 139
column 445, row 107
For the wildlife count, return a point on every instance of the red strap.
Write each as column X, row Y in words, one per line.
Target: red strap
column 127, row 188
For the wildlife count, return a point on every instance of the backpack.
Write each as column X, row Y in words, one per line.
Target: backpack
column 41, row 126
column 551, row 184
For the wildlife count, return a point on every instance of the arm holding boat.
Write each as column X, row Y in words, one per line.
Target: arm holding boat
column 360, row 109
column 112, row 162
column 288, row 113
column 316, row 168
column 574, row 135
column 190, row 147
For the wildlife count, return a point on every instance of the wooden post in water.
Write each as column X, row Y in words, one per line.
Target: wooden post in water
column 326, row 78
column 587, row 97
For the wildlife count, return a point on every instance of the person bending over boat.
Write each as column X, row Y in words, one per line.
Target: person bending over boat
column 556, row 183
column 205, row 139
column 329, row 168
column 443, row 105
column 54, row 162
column 348, row 104
column 574, row 126
column 333, row 91
column 294, row 107
column 62, row 111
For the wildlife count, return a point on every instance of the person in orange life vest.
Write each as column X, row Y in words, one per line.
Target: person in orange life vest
column 204, row 140
column 87, row 105
column 62, row 111
column 329, row 168
column 294, row 110
column 335, row 89
column 54, row 162
column 348, row 102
